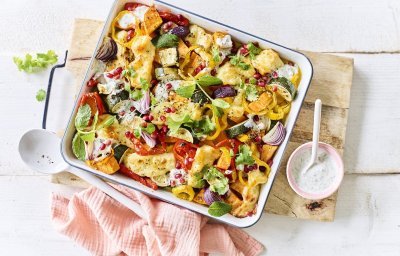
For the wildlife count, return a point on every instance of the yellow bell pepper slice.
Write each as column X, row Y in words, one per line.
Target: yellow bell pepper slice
column 276, row 113
column 184, row 192
column 219, row 126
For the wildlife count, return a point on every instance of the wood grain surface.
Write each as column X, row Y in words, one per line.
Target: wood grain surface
column 331, row 83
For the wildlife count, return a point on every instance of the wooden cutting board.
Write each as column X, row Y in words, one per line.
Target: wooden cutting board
column 331, row 83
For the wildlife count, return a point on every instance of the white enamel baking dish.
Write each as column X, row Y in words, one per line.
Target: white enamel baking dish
column 210, row 25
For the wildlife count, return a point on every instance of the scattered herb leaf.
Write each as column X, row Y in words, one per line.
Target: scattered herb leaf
column 166, row 41
column 31, row 64
column 41, row 95
column 218, row 209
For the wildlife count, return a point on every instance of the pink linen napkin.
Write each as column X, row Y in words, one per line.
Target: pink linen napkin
column 105, row 227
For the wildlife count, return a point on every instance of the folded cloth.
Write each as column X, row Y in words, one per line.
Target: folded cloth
column 105, row 227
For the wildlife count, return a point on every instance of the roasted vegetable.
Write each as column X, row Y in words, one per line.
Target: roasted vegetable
column 224, row 91
column 236, row 130
column 107, row 51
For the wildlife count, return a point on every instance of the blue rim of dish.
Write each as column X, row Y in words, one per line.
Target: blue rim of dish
column 221, row 24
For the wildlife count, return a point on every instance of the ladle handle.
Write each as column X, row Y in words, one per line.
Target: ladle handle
column 317, row 122
column 46, row 104
column 109, row 190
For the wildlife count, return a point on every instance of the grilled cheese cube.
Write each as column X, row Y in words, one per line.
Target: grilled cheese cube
column 267, row 61
column 168, row 57
column 198, row 36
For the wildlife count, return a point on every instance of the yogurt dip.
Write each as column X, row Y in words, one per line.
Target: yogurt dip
column 322, row 179
column 320, row 176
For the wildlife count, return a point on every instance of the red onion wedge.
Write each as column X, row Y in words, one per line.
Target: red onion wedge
column 276, row 135
column 143, row 105
column 210, row 197
column 148, row 139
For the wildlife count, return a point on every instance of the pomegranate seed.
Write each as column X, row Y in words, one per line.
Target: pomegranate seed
column 128, row 134
column 275, row 88
column 256, row 118
column 246, row 80
column 151, row 118
column 132, row 108
column 261, row 83
column 144, row 125
column 117, row 71
column 244, row 51
column 102, row 146
column 178, row 175
column 109, row 75
column 122, row 113
column 146, row 118
column 173, row 110
column 182, row 180
column 246, row 169
column 130, row 35
column 163, row 118
column 173, row 183
column 213, row 72
column 257, row 75
column 108, row 142
column 154, row 82
column 168, row 86
column 164, row 129
column 167, row 110
column 178, row 165
column 274, row 74
column 257, row 139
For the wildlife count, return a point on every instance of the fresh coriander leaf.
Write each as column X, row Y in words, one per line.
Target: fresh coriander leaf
column 253, row 50
column 129, row 72
column 251, row 92
column 201, row 127
column 78, row 147
column 186, row 91
column 244, row 157
column 218, row 209
column 217, row 180
column 33, row 65
column 243, row 65
column 215, row 54
column 238, row 62
column 41, row 95
column 175, row 123
column 145, row 84
column 220, row 103
column 150, row 128
column 253, row 80
column 153, row 100
column 83, row 117
column 166, row 41
column 209, row 80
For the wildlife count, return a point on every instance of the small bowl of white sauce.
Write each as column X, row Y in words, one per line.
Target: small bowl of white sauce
column 322, row 179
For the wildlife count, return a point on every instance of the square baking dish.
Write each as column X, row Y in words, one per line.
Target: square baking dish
column 212, row 26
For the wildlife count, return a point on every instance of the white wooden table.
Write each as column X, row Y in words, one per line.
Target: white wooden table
column 368, row 211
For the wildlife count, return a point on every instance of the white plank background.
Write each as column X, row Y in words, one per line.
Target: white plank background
column 368, row 213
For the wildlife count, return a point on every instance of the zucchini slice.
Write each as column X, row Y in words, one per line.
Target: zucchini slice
column 199, row 97
column 236, row 130
column 119, row 152
column 112, row 99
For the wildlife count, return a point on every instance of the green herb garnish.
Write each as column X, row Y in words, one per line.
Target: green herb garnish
column 41, row 95
column 129, row 72
column 238, row 62
column 215, row 54
column 218, row 209
column 35, row 64
column 244, row 157
column 186, row 91
column 217, row 180
column 83, row 117
column 253, row 50
column 175, row 123
column 78, row 147
column 150, row 128
column 251, row 92
column 166, row 41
